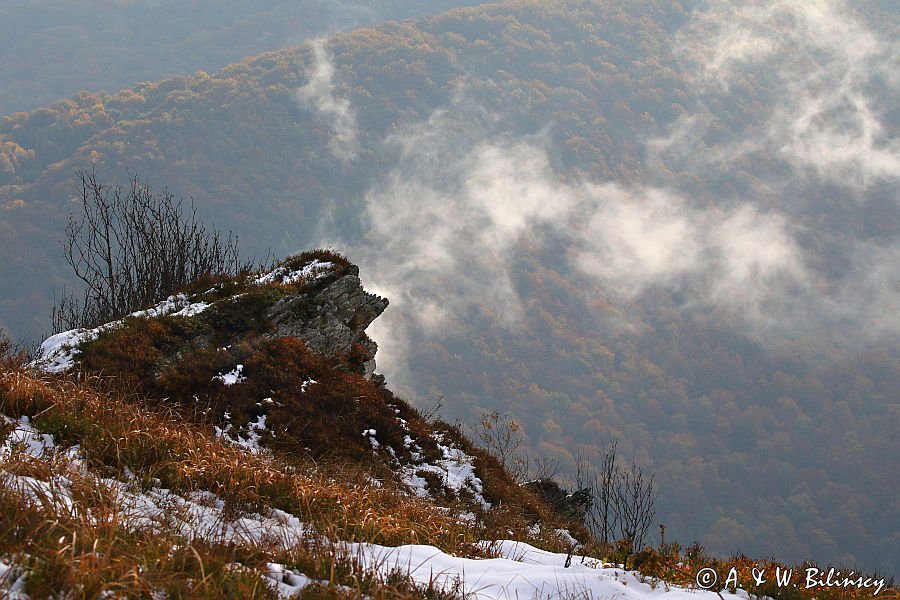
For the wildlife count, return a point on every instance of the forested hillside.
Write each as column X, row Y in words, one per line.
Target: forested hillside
column 51, row 50
column 672, row 222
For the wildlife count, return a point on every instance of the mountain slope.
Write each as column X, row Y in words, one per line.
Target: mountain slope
column 51, row 50
column 590, row 215
column 107, row 488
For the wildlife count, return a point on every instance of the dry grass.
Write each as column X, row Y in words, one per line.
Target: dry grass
column 117, row 434
column 90, row 547
column 122, row 435
column 93, row 550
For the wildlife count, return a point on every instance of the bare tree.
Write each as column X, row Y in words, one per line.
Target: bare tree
column 635, row 496
column 501, row 436
column 623, row 500
column 131, row 247
column 545, row 467
column 601, row 478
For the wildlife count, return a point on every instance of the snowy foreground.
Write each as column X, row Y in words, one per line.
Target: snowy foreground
column 520, row 571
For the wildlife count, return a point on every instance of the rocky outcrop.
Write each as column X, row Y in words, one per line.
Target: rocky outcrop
column 332, row 317
column 316, row 297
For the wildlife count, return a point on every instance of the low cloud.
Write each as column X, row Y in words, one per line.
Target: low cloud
column 465, row 200
column 319, row 93
column 637, row 239
column 448, row 225
column 868, row 299
column 443, row 239
column 739, row 261
column 832, row 77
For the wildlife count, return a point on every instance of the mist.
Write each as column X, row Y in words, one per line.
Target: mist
column 447, row 223
column 319, row 94
column 835, row 77
column 445, row 236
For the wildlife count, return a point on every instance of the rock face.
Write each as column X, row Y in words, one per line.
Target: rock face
column 332, row 318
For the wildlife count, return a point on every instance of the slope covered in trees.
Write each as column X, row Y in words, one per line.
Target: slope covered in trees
column 51, row 50
column 588, row 214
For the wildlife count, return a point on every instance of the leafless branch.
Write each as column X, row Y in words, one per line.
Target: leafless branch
column 130, row 248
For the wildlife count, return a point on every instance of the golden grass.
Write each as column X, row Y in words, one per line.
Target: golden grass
column 89, row 547
column 116, row 433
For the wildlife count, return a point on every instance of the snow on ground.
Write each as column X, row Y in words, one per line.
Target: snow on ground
column 12, row 582
column 520, row 571
column 236, row 375
column 370, row 435
column 25, row 438
column 177, row 306
column 199, row 515
column 247, row 437
column 310, row 271
column 57, row 353
column 285, row 582
column 456, row 471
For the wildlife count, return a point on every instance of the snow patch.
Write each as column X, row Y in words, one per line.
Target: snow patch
column 520, row 571
column 12, row 582
column 246, row 437
column 370, row 435
column 200, row 515
column 25, row 438
column 285, row 582
column 566, row 537
column 178, row 305
column 456, row 471
column 309, row 272
column 57, row 353
column 232, row 377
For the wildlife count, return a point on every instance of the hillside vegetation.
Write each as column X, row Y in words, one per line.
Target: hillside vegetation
column 132, row 464
column 51, row 50
column 775, row 411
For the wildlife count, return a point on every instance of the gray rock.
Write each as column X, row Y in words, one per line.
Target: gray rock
column 332, row 317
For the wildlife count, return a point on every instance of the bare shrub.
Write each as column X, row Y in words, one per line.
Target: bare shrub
column 623, row 506
column 601, row 479
column 502, row 435
column 635, row 496
column 131, row 247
